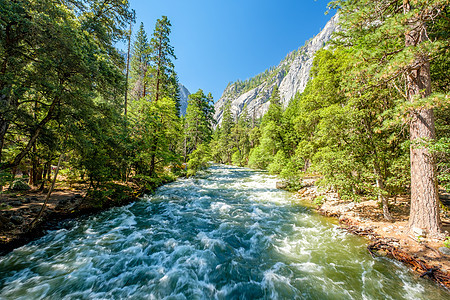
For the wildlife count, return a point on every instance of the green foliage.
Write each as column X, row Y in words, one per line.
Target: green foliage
column 3, row 206
column 19, row 185
column 154, row 132
column 447, row 242
column 278, row 163
column 5, row 177
column 198, row 160
column 441, row 149
column 139, row 65
column 161, row 74
column 319, row 200
column 236, row 158
column 199, row 120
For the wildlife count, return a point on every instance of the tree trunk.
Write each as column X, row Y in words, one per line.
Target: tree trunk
column 424, row 213
column 33, row 138
column 158, row 71
column 153, row 150
column 34, row 167
column 128, row 70
column 3, row 129
column 382, row 198
column 44, row 206
column 152, row 165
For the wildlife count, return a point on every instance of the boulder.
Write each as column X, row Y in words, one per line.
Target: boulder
column 444, row 250
column 281, row 185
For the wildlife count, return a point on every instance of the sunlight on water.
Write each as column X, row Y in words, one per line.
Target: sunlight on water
column 228, row 234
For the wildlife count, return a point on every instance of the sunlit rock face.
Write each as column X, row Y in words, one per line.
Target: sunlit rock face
column 291, row 76
column 184, row 94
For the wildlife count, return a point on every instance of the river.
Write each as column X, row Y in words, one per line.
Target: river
column 227, row 234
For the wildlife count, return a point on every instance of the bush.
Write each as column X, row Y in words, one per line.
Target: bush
column 19, row 185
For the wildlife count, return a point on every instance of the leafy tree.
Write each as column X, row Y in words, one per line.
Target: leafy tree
column 241, row 139
column 198, row 159
column 55, row 57
column 154, row 126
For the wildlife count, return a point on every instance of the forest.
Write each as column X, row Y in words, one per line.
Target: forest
column 68, row 93
column 374, row 120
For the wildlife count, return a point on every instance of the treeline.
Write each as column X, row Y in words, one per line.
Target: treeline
column 65, row 91
column 374, row 120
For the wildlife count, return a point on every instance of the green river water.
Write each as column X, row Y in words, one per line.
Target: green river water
column 228, row 234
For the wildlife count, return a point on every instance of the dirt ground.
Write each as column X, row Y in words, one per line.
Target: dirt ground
column 18, row 210
column 366, row 217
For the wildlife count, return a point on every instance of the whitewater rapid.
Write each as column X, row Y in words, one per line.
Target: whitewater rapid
column 228, row 234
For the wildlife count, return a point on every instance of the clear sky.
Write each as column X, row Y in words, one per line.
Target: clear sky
column 221, row 41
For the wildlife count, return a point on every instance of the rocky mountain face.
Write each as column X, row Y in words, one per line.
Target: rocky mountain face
column 291, row 76
column 184, row 94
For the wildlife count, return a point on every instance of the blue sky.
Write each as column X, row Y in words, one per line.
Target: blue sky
column 217, row 42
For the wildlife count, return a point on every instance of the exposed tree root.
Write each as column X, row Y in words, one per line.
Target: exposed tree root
column 386, row 247
column 419, row 266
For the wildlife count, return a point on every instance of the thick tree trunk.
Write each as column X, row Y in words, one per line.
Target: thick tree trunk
column 424, row 212
column 424, row 193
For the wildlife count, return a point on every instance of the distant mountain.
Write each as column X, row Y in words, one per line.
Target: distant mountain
column 184, row 94
column 291, row 76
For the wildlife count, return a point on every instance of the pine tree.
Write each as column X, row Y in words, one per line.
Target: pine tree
column 272, row 136
column 199, row 121
column 140, row 63
column 174, row 91
column 225, row 145
column 161, row 55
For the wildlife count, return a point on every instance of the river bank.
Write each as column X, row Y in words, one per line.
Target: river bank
column 19, row 209
column 427, row 257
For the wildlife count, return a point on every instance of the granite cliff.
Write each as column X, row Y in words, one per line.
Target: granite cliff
column 291, row 76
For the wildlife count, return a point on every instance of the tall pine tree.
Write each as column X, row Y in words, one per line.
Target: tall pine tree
column 161, row 74
column 140, row 63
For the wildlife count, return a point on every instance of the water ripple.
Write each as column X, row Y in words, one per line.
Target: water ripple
column 226, row 235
